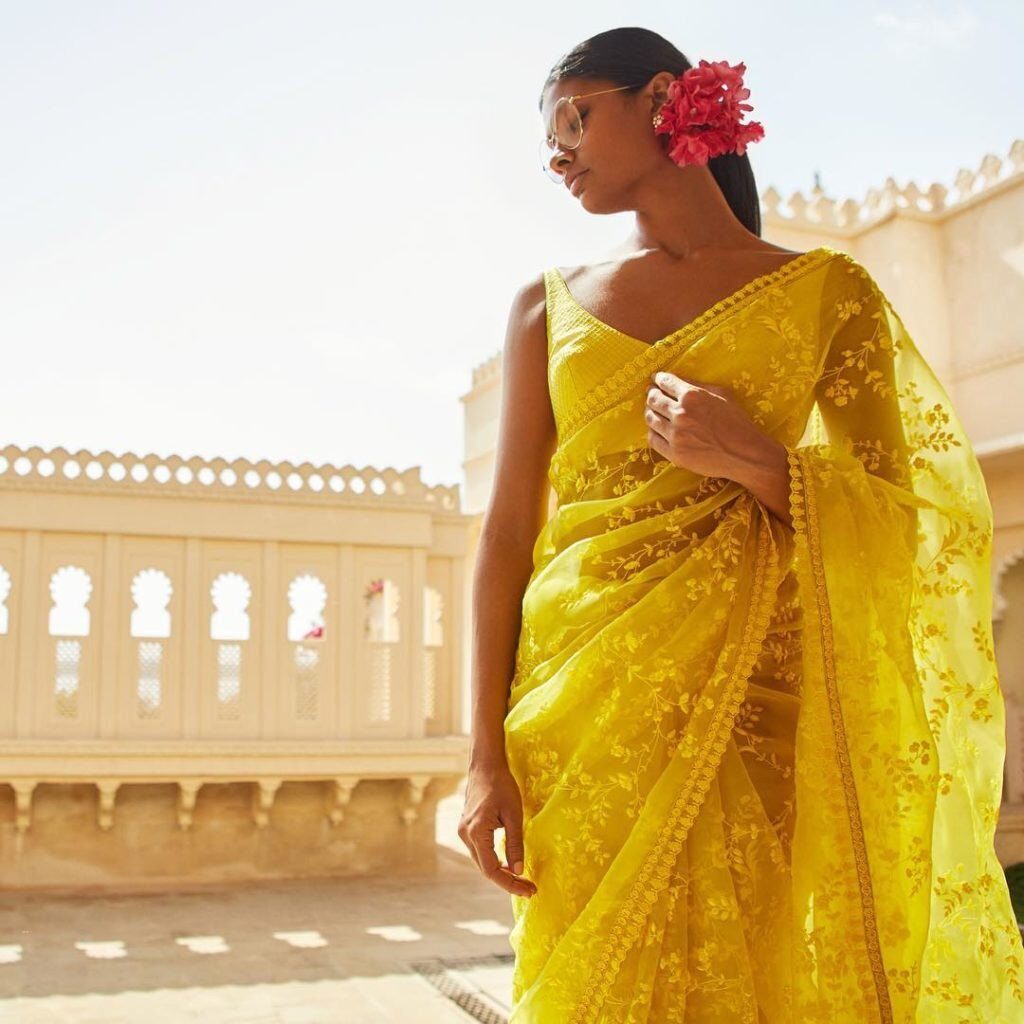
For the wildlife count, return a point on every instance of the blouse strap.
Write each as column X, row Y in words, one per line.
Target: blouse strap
column 554, row 306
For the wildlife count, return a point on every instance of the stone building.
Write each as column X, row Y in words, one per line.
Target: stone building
column 215, row 671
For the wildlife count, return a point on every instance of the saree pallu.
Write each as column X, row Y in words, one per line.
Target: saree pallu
column 761, row 765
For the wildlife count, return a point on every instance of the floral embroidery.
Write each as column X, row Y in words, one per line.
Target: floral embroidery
column 680, row 647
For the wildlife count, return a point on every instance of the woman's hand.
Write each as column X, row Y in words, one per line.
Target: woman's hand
column 701, row 427
column 493, row 801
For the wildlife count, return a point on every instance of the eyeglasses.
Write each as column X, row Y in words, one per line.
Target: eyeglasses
column 566, row 129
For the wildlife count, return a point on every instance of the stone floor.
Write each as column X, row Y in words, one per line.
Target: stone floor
column 343, row 951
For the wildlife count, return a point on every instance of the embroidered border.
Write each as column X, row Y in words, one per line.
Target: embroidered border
column 655, row 873
column 804, row 511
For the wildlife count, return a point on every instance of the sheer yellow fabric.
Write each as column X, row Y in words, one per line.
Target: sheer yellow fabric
column 761, row 767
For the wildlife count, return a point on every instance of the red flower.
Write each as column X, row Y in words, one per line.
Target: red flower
column 703, row 113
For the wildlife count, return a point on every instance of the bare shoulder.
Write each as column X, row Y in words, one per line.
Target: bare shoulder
column 529, row 296
column 753, row 262
column 526, row 429
column 777, row 250
column 527, row 317
column 771, row 256
column 525, row 354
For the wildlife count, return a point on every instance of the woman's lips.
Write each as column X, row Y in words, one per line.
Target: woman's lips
column 573, row 186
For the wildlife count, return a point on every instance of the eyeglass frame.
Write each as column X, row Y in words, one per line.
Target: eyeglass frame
column 553, row 135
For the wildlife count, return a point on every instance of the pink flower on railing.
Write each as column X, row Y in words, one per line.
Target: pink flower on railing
column 316, row 633
column 375, row 587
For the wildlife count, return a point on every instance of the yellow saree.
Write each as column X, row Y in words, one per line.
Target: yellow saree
column 761, row 767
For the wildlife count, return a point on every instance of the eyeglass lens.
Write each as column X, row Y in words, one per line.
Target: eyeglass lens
column 567, row 128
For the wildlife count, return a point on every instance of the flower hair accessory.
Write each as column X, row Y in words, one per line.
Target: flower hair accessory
column 703, row 113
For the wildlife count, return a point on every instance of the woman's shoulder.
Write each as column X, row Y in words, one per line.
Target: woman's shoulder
column 529, row 298
column 850, row 274
column 852, row 296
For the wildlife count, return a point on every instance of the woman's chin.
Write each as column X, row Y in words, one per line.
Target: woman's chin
column 592, row 202
column 583, row 197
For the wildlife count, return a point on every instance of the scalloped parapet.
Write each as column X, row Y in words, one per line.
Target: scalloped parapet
column 850, row 216
column 106, row 472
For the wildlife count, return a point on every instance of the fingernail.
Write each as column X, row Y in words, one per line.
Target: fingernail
column 517, row 868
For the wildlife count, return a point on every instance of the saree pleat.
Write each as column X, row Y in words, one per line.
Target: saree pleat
column 761, row 765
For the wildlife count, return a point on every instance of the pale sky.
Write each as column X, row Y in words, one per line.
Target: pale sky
column 246, row 229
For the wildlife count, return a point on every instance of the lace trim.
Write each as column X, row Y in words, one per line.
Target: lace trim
column 616, row 385
column 804, row 510
column 655, row 873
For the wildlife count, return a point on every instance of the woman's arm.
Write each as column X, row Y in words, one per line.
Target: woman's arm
column 515, row 514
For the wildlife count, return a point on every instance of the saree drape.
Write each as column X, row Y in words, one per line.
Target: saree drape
column 761, row 765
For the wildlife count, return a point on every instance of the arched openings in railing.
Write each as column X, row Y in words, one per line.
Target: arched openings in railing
column 307, row 600
column 381, row 632
column 229, row 629
column 150, row 625
column 153, row 628
column 68, row 622
column 433, row 641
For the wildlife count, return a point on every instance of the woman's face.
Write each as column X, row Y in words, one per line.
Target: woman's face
column 618, row 146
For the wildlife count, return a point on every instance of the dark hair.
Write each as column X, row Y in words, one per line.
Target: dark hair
column 632, row 57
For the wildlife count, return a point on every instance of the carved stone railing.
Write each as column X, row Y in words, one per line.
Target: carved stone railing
column 189, row 621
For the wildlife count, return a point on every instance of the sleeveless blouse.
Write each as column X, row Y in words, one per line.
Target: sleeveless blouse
column 582, row 350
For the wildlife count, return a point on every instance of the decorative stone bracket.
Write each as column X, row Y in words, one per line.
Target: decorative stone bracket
column 415, row 788
column 342, row 766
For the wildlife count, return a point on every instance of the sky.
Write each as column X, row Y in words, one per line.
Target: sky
column 291, row 231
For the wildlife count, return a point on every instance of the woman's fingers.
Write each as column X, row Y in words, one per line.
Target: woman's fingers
column 514, row 845
column 482, row 838
column 482, row 816
column 513, row 884
column 497, row 872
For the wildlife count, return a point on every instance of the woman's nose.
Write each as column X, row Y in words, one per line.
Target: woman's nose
column 560, row 162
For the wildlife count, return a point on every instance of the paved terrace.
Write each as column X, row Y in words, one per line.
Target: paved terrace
column 339, row 951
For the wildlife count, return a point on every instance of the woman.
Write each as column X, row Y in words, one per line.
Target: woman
column 735, row 702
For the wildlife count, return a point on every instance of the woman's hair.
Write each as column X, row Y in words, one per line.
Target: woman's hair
column 632, row 57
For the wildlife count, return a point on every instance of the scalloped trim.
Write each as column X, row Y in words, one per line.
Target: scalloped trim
column 619, row 382
column 804, row 510
column 655, row 873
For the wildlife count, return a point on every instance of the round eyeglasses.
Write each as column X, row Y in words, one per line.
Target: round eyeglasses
column 565, row 131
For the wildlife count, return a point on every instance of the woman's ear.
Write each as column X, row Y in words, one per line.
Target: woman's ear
column 659, row 89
